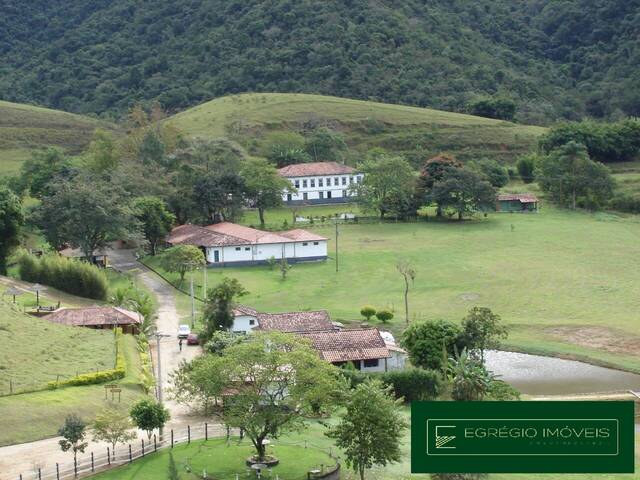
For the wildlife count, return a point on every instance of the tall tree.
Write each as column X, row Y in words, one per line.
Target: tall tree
column 482, row 330
column 181, row 259
column 434, row 170
column 464, row 191
column 425, row 341
column 569, row 176
column 387, row 186
column 102, row 154
column 277, row 379
column 197, row 383
column 263, row 186
column 11, row 221
column 85, row 212
column 219, row 305
column 371, row 429
column 155, row 219
column 220, row 195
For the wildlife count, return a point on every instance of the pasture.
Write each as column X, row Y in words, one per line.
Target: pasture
column 566, row 283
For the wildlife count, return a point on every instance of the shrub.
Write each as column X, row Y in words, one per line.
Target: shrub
column 501, row 390
column 626, row 203
column 414, row 384
column 71, row 276
column 526, row 166
column 425, row 341
column 384, row 315
column 367, row 312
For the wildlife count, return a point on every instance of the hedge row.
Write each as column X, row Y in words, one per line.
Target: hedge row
column 71, row 276
column 412, row 384
column 102, row 376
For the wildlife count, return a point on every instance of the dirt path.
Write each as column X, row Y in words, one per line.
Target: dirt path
column 27, row 457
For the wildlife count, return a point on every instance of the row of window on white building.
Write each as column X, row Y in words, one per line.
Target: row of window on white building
column 311, row 183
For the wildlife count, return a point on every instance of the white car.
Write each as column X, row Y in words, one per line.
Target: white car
column 183, row 331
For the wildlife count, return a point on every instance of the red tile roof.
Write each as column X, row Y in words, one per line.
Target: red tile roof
column 244, row 310
column 315, row 169
column 522, row 197
column 229, row 234
column 351, row 344
column 94, row 316
column 295, row 322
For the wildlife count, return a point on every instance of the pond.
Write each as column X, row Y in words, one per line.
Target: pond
column 538, row 375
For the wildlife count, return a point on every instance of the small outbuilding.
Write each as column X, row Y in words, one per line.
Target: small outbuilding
column 516, row 202
column 99, row 257
column 98, row 318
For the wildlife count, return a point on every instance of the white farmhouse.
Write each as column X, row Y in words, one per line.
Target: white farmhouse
column 229, row 244
column 319, row 182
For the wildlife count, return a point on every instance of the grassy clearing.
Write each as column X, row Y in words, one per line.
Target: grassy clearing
column 539, row 271
column 414, row 132
column 24, row 128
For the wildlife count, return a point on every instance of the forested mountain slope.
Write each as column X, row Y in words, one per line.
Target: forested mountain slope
column 557, row 59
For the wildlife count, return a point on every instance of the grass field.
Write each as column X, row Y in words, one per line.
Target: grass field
column 414, row 132
column 565, row 282
column 25, row 128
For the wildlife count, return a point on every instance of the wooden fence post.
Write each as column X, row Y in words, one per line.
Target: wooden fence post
column 172, row 438
column 75, row 466
column 108, row 455
column 155, row 444
column 39, row 474
column 130, row 459
column 206, row 431
column 92, row 464
column 57, row 471
column 188, row 433
column 142, row 440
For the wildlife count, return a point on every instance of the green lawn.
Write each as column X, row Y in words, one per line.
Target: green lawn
column 552, row 277
column 222, row 461
column 412, row 131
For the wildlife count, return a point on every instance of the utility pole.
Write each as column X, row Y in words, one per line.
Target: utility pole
column 158, row 337
column 193, row 304
column 336, row 244
column 204, row 282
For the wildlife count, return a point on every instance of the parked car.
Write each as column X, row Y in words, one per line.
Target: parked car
column 192, row 339
column 183, row 331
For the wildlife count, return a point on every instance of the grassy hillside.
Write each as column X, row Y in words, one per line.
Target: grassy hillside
column 24, row 128
column 412, row 131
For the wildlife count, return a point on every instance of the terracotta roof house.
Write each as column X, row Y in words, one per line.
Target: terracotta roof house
column 516, row 202
column 247, row 319
column 364, row 347
column 229, row 244
column 319, row 183
column 97, row 317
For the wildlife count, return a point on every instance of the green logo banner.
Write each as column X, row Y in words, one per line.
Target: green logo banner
column 522, row 437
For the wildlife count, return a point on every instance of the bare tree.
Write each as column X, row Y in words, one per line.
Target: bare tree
column 409, row 275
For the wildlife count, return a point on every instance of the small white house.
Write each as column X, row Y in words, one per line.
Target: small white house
column 229, row 244
column 247, row 319
column 319, row 182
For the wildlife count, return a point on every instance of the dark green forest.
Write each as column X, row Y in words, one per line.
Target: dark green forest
column 562, row 59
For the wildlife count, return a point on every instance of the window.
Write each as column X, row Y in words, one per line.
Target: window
column 304, row 184
column 329, row 194
column 344, row 193
column 350, row 180
column 321, row 182
column 296, row 183
column 238, row 249
column 328, row 182
column 304, row 244
column 316, row 243
column 344, row 180
column 252, row 322
column 371, row 363
column 305, row 196
column 336, row 181
column 313, row 183
column 320, row 195
column 246, row 249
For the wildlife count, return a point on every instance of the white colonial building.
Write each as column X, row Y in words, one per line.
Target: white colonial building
column 229, row 244
column 319, row 182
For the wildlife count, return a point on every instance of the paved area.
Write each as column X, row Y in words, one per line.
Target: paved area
column 27, row 457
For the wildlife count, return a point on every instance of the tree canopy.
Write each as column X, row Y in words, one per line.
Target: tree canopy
column 11, row 221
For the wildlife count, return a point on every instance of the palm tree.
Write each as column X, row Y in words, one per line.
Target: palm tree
column 471, row 380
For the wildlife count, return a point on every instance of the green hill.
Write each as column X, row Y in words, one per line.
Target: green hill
column 24, row 128
column 411, row 131
column 556, row 59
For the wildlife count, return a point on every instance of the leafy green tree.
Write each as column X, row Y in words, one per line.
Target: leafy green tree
column 196, row 383
column 568, row 175
column 155, row 219
column 284, row 268
column 367, row 312
column 151, row 150
column 482, row 330
column 222, row 339
column 494, row 107
column 494, row 172
column 424, row 341
column 85, row 212
column 11, row 221
column 434, row 170
column 325, row 145
column 526, row 167
column 384, row 315
column 220, row 195
column 285, row 148
column 149, row 415
column 464, row 191
column 181, row 259
column 42, row 169
column 370, row 431
column 263, row 186
column 286, row 381
column 73, row 434
column 387, row 186
column 113, row 427
column 219, row 305
column 102, row 154
column 470, row 379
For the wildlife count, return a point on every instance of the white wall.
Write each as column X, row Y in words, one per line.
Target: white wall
column 262, row 252
column 242, row 323
column 379, row 368
column 336, row 184
column 397, row 360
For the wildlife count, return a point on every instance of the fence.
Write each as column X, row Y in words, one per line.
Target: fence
column 98, row 461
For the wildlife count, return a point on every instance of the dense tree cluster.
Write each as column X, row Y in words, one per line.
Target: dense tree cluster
column 552, row 60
